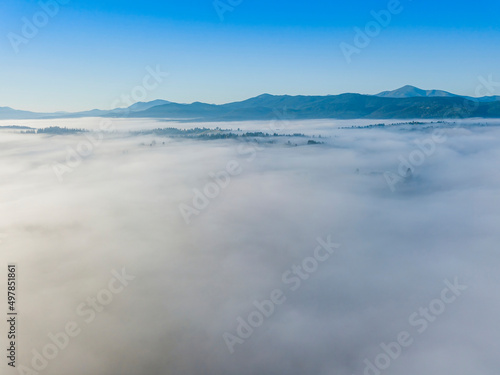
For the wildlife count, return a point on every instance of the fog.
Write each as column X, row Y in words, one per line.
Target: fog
column 401, row 241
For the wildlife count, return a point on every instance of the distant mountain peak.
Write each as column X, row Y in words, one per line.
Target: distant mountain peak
column 409, row 91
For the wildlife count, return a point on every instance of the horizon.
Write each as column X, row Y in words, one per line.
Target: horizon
column 197, row 101
column 75, row 55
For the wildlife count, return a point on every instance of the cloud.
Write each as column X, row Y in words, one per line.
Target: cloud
column 120, row 209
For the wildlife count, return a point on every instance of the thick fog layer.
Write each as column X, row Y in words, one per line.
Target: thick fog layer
column 374, row 251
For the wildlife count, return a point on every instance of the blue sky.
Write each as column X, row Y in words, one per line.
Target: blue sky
column 91, row 52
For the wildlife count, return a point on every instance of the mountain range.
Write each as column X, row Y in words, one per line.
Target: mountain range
column 407, row 102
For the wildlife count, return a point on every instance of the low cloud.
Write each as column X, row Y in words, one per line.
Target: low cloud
column 120, row 209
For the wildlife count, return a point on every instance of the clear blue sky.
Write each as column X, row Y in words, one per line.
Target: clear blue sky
column 92, row 52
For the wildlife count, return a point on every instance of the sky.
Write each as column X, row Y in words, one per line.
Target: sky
column 88, row 54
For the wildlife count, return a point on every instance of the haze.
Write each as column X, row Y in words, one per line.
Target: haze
column 119, row 208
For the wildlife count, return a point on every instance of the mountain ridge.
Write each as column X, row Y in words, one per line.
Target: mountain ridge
column 405, row 102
